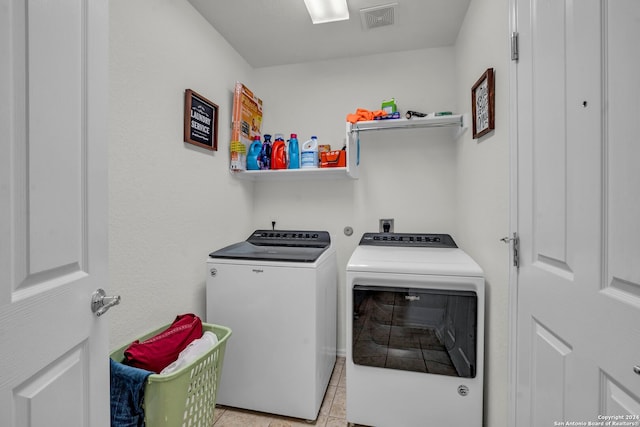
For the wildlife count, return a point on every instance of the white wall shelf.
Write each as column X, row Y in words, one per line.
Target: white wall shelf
column 348, row 172
column 457, row 121
column 293, row 174
column 453, row 120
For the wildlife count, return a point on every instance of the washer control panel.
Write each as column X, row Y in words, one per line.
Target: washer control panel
column 301, row 238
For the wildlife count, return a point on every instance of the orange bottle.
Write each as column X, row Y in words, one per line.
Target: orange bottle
column 279, row 153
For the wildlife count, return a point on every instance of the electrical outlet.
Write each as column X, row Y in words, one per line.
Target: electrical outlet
column 386, row 225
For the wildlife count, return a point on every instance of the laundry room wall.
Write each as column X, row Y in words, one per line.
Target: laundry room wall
column 408, row 175
column 483, row 188
column 170, row 203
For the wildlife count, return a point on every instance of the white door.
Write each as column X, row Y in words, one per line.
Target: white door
column 578, row 212
column 54, row 368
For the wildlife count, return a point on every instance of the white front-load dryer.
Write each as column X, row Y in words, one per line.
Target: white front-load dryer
column 415, row 332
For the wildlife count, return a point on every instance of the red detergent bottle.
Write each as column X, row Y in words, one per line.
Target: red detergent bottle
column 279, row 153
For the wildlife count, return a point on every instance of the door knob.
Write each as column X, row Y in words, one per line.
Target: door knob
column 100, row 302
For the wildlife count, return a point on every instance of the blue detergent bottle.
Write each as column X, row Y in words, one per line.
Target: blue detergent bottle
column 294, row 152
column 265, row 153
column 254, row 153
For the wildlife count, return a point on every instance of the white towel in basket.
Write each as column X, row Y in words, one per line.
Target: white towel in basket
column 194, row 350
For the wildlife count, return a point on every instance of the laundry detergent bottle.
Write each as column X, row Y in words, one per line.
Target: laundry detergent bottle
column 294, row 152
column 265, row 154
column 309, row 154
column 278, row 153
column 254, row 153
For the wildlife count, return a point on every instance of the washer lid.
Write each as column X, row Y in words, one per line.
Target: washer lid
column 413, row 260
column 278, row 245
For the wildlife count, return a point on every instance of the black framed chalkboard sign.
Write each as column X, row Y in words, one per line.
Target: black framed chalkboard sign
column 200, row 121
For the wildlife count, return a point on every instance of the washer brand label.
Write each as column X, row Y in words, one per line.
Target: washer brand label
column 412, row 297
column 213, row 272
column 257, row 270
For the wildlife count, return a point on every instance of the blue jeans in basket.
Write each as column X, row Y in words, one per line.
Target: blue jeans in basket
column 127, row 394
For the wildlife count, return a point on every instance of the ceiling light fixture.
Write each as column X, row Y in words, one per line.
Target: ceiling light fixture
column 322, row 11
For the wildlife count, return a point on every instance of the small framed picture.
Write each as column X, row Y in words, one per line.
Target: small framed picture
column 200, row 121
column 483, row 104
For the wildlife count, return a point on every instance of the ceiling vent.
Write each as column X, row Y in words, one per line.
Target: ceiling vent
column 378, row 16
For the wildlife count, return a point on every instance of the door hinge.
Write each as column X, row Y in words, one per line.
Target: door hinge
column 515, row 241
column 515, row 54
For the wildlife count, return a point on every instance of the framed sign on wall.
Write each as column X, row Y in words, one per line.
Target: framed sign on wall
column 200, row 121
column 483, row 104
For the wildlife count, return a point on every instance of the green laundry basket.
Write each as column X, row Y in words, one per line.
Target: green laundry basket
column 186, row 397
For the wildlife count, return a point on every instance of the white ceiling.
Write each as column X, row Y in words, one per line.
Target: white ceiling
column 279, row 32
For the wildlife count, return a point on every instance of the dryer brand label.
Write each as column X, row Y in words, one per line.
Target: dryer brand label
column 412, row 297
column 463, row 390
column 257, row 270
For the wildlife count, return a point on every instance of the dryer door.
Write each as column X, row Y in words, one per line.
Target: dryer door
column 415, row 329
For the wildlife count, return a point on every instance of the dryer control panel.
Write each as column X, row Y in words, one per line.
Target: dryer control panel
column 418, row 240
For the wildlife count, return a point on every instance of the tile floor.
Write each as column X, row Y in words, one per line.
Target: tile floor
column 332, row 413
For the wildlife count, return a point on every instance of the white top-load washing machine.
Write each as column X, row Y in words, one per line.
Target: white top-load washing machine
column 277, row 292
column 415, row 332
